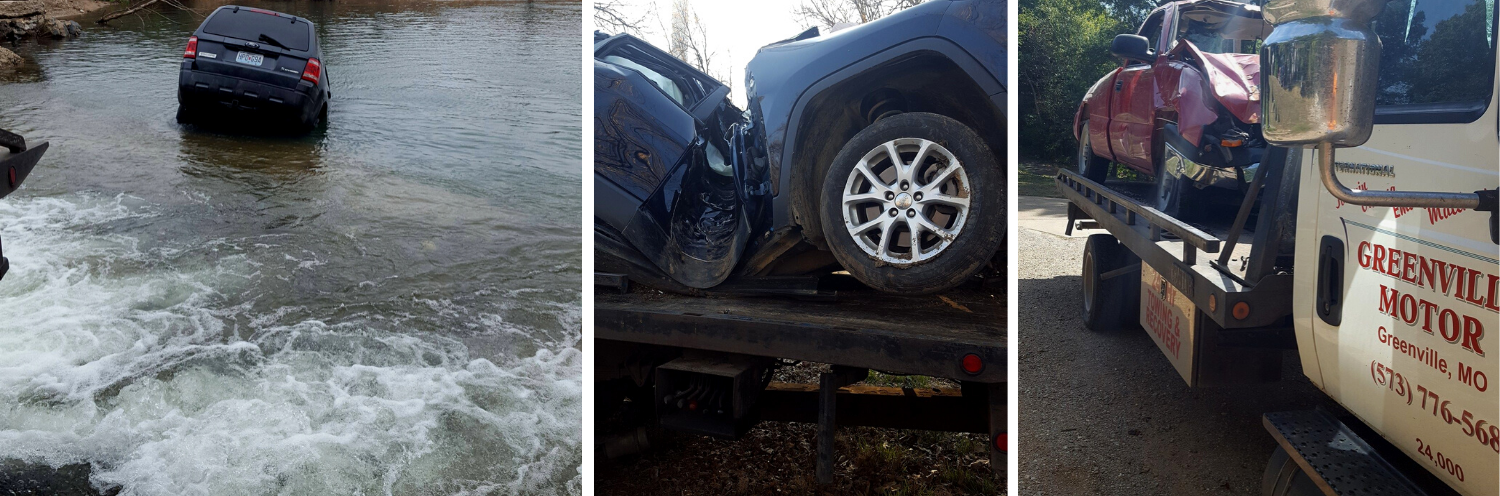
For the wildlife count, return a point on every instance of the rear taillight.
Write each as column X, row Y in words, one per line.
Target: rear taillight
column 313, row 71
column 192, row 48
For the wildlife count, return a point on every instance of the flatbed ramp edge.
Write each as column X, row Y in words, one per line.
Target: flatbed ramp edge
column 959, row 335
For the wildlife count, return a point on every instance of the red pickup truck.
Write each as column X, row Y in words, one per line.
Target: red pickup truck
column 1183, row 107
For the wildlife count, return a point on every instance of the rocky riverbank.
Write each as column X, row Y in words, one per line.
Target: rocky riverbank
column 21, row 19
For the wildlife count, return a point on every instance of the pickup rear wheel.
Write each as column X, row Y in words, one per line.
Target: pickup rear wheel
column 1090, row 166
column 1169, row 189
column 1284, row 477
column 1108, row 303
column 914, row 203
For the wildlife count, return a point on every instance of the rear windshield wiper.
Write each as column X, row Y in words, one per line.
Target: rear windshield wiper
column 268, row 39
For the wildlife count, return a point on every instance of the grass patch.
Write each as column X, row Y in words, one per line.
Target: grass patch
column 901, row 381
column 1033, row 184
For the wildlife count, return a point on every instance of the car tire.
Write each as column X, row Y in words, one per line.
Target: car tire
column 185, row 116
column 1169, row 190
column 313, row 121
column 970, row 234
column 1108, row 304
column 1090, row 166
column 1284, row 477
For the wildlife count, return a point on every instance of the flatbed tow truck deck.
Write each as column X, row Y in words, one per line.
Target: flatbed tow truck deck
column 958, row 335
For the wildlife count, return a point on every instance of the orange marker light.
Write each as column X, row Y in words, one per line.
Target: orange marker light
column 1241, row 310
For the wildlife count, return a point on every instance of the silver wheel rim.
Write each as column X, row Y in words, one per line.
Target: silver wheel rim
column 906, row 201
column 1084, row 152
column 1164, row 191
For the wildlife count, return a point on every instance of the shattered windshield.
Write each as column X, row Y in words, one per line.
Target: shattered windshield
column 1213, row 31
column 1436, row 53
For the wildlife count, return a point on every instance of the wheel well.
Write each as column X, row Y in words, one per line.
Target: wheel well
column 920, row 82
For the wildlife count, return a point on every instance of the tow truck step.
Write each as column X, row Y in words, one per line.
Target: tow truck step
column 1336, row 458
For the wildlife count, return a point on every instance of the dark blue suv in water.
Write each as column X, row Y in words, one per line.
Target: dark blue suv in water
column 245, row 62
column 876, row 149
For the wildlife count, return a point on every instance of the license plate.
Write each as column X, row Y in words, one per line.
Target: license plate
column 248, row 58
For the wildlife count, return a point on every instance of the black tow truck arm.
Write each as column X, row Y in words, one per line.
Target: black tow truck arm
column 15, row 164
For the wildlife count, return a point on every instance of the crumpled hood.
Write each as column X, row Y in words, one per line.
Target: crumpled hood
column 1234, row 79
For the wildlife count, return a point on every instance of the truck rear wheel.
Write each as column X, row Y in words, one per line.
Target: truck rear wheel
column 1108, row 304
column 1284, row 477
column 914, row 204
column 1090, row 166
column 1168, row 191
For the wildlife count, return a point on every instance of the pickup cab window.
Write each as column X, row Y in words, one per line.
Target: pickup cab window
column 1214, row 32
column 1437, row 60
column 1152, row 30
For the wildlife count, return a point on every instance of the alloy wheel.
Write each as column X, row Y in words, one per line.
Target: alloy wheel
column 906, row 201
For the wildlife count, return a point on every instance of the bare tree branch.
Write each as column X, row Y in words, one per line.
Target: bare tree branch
column 613, row 16
column 830, row 13
column 688, row 40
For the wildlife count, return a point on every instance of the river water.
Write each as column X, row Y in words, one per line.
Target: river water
column 387, row 306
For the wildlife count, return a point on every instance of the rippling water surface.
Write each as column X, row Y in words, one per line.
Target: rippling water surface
column 387, row 306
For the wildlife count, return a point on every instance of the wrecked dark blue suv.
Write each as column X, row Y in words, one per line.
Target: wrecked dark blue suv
column 876, row 149
column 257, row 63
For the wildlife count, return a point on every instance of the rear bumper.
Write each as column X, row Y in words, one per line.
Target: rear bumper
column 207, row 91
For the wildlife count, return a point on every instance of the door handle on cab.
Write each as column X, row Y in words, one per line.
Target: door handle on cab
column 1330, row 294
column 1119, row 84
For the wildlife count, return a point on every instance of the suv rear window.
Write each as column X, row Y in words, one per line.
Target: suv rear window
column 248, row 25
column 1437, row 57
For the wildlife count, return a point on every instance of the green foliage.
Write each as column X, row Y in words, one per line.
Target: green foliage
column 904, row 381
column 1064, row 49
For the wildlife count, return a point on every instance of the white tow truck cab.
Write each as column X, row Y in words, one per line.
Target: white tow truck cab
column 1378, row 210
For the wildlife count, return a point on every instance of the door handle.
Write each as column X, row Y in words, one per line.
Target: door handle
column 1330, row 297
column 1119, row 84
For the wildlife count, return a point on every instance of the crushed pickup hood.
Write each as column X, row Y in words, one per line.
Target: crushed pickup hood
column 1232, row 77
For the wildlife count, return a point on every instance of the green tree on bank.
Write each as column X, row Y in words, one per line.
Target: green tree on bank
column 1064, row 48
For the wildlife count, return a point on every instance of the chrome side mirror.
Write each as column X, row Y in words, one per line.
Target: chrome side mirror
column 1319, row 70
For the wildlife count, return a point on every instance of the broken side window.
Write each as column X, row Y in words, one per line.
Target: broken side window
column 1214, row 31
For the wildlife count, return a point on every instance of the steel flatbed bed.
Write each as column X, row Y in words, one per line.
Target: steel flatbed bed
column 906, row 335
column 855, row 330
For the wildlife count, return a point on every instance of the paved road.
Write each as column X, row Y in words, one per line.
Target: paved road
column 1106, row 413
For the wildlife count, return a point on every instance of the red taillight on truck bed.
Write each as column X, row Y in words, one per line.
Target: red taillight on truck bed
column 313, row 71
column 192, row 49
column 972, row 364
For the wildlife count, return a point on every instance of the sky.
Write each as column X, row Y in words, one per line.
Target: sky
column 735, row 30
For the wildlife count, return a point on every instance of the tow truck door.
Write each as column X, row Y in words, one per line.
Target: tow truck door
column 1133, row 105
column 1397, row 315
